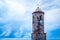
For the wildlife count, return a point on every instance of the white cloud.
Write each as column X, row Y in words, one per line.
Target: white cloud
column 1, row 3
column 16, row 10
column 50, row 4
column 15, row 6
column 51, row 19
column 6, row 30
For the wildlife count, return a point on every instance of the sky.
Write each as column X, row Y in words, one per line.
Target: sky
column 16, row 18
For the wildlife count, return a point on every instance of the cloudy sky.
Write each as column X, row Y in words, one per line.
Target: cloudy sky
column 16, row 18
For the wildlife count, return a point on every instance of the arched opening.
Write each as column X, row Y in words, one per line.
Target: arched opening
column 33, row 19
column 40, row 17
column 41, row 20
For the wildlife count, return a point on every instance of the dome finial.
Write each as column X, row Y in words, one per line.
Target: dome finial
column 38, row 9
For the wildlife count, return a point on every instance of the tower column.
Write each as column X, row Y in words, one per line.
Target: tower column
column 38, row 25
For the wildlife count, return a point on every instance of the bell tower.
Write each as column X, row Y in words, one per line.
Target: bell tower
column 38, row 25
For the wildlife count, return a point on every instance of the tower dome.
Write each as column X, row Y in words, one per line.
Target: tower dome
column 38, row 10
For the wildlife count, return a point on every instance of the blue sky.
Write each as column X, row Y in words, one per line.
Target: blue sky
column 16, row 18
